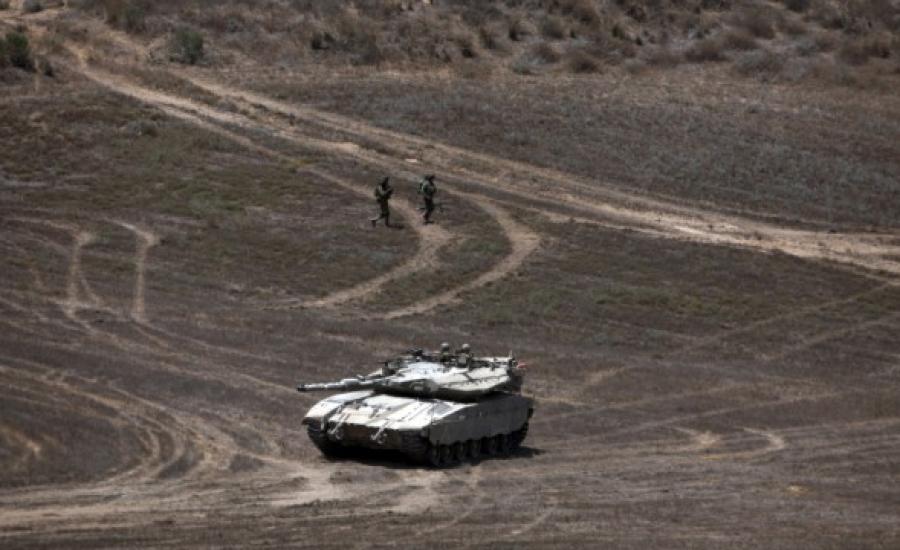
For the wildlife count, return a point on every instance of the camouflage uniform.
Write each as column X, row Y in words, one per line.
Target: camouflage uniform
column 464, row 356
column 383, row 192
column 428, row 190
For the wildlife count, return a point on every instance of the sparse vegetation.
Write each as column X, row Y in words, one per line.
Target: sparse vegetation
column 757, row 21
column 582, row 62
column 18, row 51
column 186, row 46
column 737, row 39
column 708, row 49
column 127, row 14
column 762, row 64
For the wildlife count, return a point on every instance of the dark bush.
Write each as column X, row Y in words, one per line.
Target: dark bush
column 134, row 18
column 519, row 29
column 4, row 59
column 32, row 6
column 18, row 51
column 553, row 28
column 4, row 4
column 186, row 46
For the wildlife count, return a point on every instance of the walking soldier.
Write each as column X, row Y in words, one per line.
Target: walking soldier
column 428, row 190
column 383, row 192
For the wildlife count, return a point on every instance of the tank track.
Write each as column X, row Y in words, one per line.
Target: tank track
column 421, row 450
column 447, row 456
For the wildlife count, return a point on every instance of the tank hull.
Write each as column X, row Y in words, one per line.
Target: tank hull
column 433, row 431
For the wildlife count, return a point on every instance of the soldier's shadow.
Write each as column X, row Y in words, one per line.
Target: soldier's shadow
column 398, row 461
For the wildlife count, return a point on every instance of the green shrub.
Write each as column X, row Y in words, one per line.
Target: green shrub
column 186, row 46
column 126, row 14
column 18, row 51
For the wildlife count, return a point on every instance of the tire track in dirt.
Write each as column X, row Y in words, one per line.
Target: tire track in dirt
column 790, row 315
column 638, row 212
column 431, row 238
column 522, row 239
column 146, row 241
column 774, row 443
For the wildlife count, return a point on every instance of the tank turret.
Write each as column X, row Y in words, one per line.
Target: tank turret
column 416, row 376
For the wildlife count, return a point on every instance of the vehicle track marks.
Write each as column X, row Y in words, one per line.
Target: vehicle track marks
column 145, row 241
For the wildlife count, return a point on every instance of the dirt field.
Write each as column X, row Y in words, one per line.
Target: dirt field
column 702, row 273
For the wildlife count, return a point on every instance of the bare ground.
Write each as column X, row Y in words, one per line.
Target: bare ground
column 708, row 371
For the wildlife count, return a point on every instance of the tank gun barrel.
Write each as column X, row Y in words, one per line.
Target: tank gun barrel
column 347, row 384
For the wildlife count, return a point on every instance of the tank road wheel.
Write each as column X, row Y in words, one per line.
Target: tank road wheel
column 503, row 446
column 489, row 445
column 473, row 449
column 444, row 456
column 433, row 455
column 457, row 452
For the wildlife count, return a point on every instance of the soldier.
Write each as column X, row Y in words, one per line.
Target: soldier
column 445, row 354
column 383, row 192
column 428, row 189
column 464, row 356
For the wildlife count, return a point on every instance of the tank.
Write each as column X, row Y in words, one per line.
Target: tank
column 436, row 410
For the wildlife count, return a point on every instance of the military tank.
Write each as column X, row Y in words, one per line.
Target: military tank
column 436, row 409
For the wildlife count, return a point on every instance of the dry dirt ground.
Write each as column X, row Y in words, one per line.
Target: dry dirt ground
column 703, row 274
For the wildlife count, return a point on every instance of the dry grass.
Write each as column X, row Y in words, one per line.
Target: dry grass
column 582, row 62
column 737, row 39
column 758, row 21
column 762, row 64
column 701, row 51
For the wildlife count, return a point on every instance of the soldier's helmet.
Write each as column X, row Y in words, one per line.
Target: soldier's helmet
column 386, row 181
column 445, row 346
column 465, row 348
column 430, row 177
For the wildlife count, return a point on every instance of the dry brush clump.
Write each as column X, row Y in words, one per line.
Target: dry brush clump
column 705, row 50
column 574, row 35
